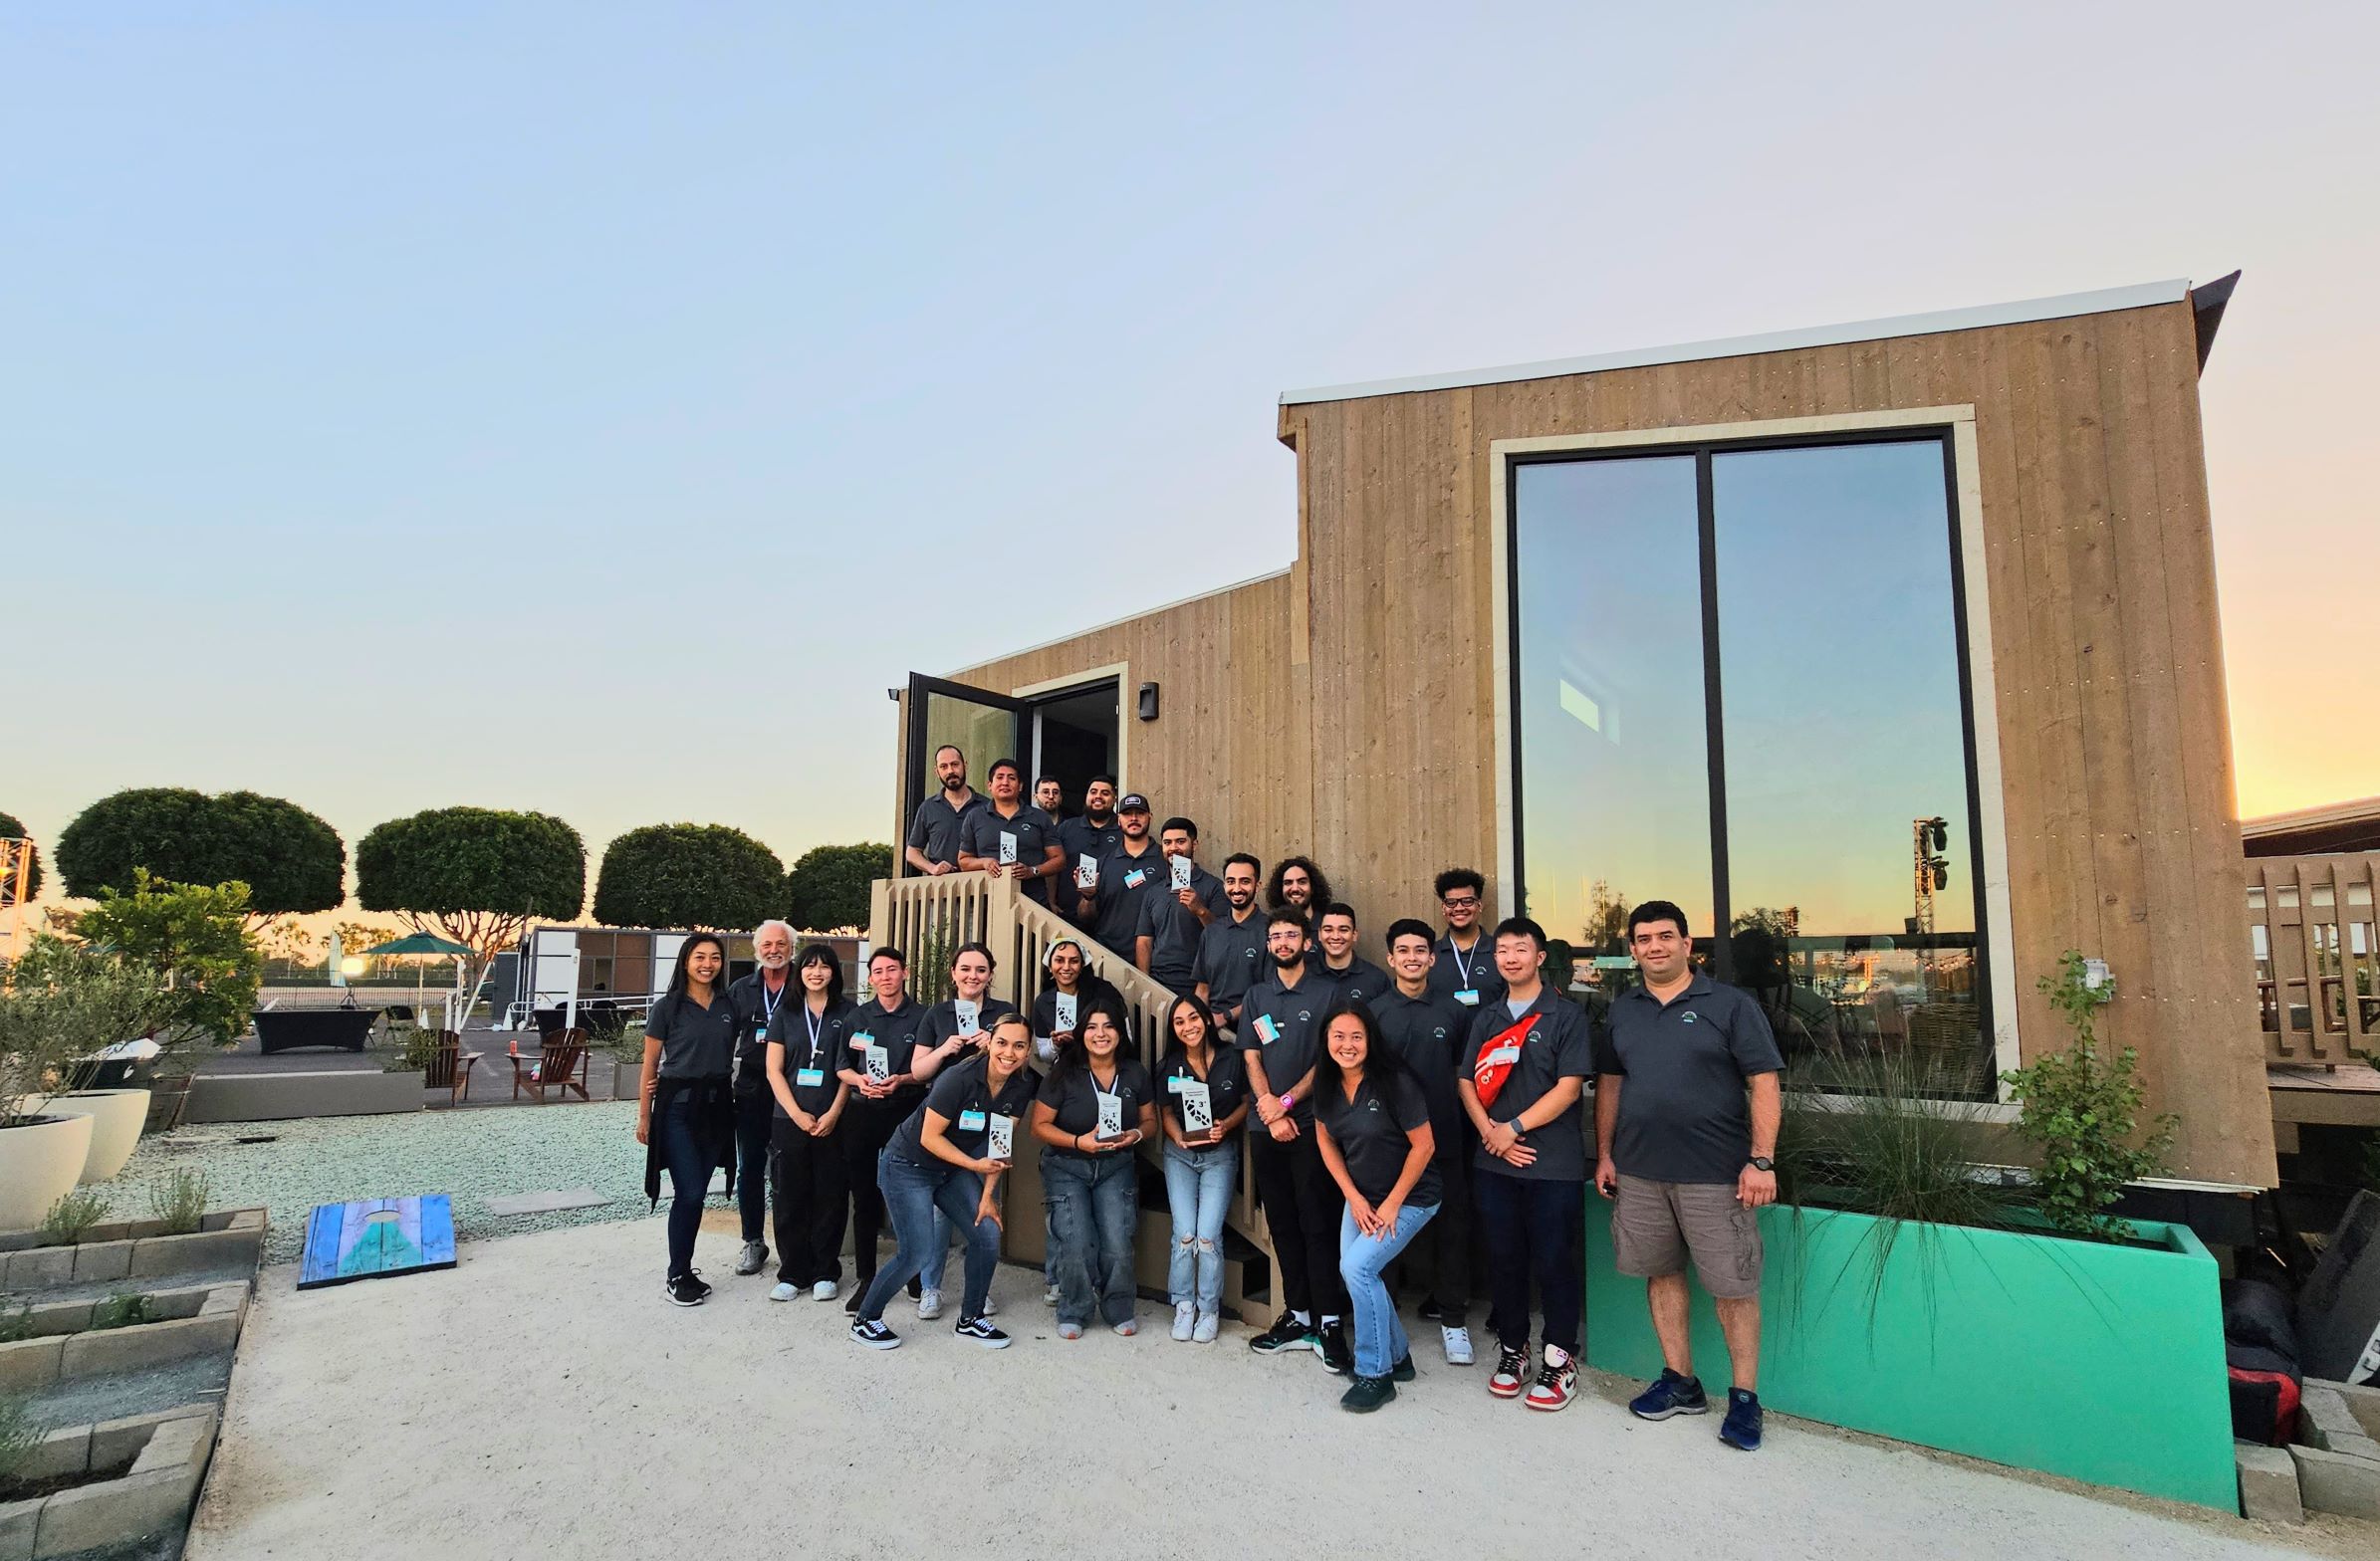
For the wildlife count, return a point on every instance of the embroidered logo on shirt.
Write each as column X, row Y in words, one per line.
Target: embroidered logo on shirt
column 1686, row 1018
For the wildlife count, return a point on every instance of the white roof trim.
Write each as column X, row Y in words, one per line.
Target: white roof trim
column 2102, row 302
column 1130, row 617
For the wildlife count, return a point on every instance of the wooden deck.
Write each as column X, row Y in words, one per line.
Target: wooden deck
column 2347, row 1095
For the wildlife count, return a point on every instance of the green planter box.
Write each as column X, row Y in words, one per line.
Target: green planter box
column 2099, row 1362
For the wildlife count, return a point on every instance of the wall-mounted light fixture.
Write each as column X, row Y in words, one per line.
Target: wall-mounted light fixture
column 1149, row 701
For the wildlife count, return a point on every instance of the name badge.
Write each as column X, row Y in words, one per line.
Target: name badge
column 759, row 1032
column 1111, row 1116
column 880, row 1064
column 1267, row 1031
column 1008, row 848
column 1001, row 1143
column 1135, row 877
column 969, row 1014
column 1066, row 1005
column 809, row 1078
column 971, row 1121
column 1198, row 1106
column 863, row 1041
column 1468, row 996
column 1181, row 872
column 1086, row 874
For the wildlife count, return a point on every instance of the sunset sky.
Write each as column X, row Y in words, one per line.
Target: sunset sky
column 595, row 409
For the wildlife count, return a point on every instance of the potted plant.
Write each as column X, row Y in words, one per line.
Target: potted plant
column 67, row 1001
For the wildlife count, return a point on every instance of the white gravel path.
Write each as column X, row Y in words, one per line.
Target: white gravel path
column 543, row 1399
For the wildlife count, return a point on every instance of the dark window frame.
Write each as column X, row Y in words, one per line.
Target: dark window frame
column 1716, row 944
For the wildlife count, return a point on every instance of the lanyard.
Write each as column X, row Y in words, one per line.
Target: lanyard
column 769, row 1008
column 1116, row 1094
column 1462, row 965
column 816, row 1023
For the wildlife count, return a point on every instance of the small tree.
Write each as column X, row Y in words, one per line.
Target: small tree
column 2083, row 1109
column 10, row 829
column 63, row 1002
column 827, row 889
column 688, row 875
column 475, row 875
column 292, row 861
column 194, row 942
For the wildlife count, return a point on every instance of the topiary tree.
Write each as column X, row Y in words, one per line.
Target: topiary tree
column 291, row 860
column 10, row 829
column 827, row 888
column 193, row 939
column 688, row 875
column 476, row 875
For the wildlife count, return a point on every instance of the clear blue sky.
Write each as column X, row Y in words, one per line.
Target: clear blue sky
column 375, row 377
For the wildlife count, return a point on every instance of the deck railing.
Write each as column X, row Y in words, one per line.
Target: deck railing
column 2317, row 987
column 928, row 918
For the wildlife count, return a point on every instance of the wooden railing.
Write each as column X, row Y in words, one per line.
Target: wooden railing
column 927, row 919
column 2318, row 978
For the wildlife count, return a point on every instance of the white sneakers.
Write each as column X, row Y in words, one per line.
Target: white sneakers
column 1185, row 1317
column 824, row 1290
column 1457, row 1345
column 782, row 1293
column 929, row 1305
column 1204, row 1332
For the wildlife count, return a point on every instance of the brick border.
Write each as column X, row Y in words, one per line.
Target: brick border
column 164, row 1455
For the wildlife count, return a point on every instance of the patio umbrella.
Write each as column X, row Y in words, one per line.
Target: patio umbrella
column 421, row 946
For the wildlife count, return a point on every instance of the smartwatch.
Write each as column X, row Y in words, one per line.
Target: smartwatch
column 1763, row 1163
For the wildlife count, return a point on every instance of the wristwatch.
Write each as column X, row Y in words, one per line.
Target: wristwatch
column 1763, row 1163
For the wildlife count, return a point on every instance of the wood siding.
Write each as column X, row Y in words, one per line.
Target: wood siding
column 1347, row 709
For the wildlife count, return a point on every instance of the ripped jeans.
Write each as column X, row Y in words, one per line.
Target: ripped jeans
column 1198, row 1183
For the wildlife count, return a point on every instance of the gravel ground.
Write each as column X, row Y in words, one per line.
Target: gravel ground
column 470, row 1155
column 93, row 1399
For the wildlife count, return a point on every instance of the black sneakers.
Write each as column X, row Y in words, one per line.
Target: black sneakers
column 977, row 1331
column 1512, row 1371
column 1286, row 1333
column 1368, row 1394
column 686, row 1289
column 1338, row 1356
column 1403, row 1370
column 875, row 1335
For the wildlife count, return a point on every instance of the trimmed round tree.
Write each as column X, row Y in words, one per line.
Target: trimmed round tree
column 827, row 888
column 475, row 875
column 688, row 875
column 292, row 861
column 11, row 829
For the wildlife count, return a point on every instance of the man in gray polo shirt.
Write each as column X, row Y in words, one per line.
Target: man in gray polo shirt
column 1231, row 951
column 1094, row 833
column 934, row 832
column 1172, row 920
column 1687, row 1102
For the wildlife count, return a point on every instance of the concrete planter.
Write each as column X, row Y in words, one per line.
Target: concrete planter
column 39, row 1164
column 201, row 1320
column 2100, row 1363
column 117, row 1117
column 272, row 1097
column 627, row 1081
column 157, row 1462
column 131, row 1248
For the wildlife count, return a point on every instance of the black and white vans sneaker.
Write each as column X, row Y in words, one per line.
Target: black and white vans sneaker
column 978, row 1331
column 876, row 1335
column 686, row 1289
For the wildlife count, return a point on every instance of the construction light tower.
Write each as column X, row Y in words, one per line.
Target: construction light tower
column 1930, row 870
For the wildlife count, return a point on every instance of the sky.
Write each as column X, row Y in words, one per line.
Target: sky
column 596, row 408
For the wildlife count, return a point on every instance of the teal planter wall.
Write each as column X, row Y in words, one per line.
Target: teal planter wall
column 2099, row 1362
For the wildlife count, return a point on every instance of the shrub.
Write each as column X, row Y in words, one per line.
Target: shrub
column 74, row 1213
column 65, row 1003
column 179, row 1201
column 2081, row 1108
column 120, row 1310
column 16, row 1322
column 194, row 939
column 20, row 1433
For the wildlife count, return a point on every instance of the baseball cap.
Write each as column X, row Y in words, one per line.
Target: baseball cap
column 1133, row 803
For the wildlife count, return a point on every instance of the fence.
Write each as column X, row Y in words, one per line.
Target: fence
column 2311, row 921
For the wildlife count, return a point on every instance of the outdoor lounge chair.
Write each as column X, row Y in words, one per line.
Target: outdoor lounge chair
column 451, row 1067
column 560, row 1063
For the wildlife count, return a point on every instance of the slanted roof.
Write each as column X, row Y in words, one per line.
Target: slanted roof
column 2333, row 826
column 2209, row 302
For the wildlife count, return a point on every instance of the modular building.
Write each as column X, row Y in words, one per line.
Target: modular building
column 1889, row 651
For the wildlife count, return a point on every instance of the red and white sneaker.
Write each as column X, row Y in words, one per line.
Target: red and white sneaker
column 1557, row 1384
column 1512, row 1369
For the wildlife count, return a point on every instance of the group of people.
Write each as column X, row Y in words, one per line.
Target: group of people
column 1392, row 1113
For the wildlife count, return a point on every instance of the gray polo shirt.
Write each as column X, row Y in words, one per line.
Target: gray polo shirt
column 1554, row 1045
column 1361, row 979
column 1084, row 838
column 696, row 1042
column 935, row 829
column 980, row 829
column 1231, row 956
column 1173, row 930
column 1124, row 882
column 1283, row 1025
column 1684, row 1112
column 1456, row 971
column 1428, row 1034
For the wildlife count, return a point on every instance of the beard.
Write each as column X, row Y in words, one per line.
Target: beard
column 1282, row 962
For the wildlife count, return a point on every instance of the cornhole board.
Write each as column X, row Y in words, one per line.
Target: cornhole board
column 375, row 1239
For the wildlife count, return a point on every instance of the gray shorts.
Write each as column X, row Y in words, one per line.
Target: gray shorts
column 1655, row 1226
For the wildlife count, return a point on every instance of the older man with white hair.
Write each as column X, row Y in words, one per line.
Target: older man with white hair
column 756, row 1000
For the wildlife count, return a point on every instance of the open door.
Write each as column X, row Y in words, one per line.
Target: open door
column 985, row 726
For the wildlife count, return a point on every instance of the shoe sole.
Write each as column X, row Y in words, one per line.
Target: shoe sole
column 1671, row 1412
column 774, row 1296
column 1364, row 1408
column 1260, row 1346
column 1549, row 1409
column 986, row 1344
column 875, row 1344
column 675, row 1301
column 1754, row 1446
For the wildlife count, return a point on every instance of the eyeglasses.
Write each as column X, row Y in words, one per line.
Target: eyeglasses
column 1459, row 902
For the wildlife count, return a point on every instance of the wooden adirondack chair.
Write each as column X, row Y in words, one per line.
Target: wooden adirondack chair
column 451, row 1067
column 559, row 1063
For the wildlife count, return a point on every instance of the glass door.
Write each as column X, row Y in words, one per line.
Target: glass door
column 981, row 725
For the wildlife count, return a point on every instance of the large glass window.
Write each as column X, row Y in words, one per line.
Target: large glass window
column 1738, row 686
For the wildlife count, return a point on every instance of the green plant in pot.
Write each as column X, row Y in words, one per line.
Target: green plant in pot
column 2081, row 1108
column 63, row 1002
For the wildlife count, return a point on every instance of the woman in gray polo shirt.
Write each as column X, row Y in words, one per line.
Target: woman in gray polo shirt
column 686, row 1113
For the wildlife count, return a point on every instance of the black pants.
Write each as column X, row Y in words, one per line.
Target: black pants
column 1442, row 1249
column 810, row 1182
column 866, row 1128
column 1533, row 1227
column 753, row 1111
column 1302, row 1205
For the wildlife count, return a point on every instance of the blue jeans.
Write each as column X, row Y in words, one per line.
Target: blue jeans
column 1092, row 1200
column 937, row 1263
column 1378, row 1334
column 913, row 1194
column 689, row 1177
column 1198, row 1183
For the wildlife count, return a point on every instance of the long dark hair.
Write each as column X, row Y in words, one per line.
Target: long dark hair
column 685, row 951
column 1314, row 876
column 823, row 954
column 1197, row 1006
column 1381, row 1064
column 1073, row 1055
